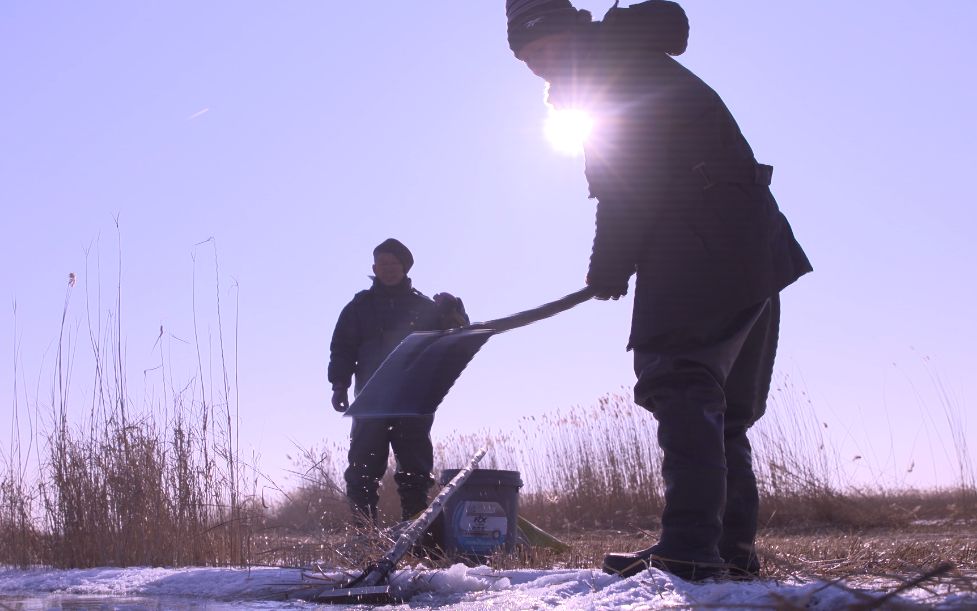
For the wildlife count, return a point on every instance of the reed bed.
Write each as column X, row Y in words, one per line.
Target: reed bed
column 127, row 490
column 599, row 467
column 592, row 476
column 111, row 484
column 142, row 493
column 164, row 484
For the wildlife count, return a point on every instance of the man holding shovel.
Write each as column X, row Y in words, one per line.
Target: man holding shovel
column 368, row 329
column 683, row 203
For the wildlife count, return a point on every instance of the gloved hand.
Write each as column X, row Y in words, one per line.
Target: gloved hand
column 446, row 301
column 608, row 290
column 451, row 310
column 340, row 400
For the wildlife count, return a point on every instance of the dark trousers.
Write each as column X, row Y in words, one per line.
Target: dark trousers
column 706, row 385
column 370, row 440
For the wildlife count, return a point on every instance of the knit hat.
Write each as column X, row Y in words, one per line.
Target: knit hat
column 532, row 19
column 397, row 249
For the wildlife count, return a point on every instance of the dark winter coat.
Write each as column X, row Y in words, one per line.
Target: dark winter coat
column 681, row 199
column 371, row 326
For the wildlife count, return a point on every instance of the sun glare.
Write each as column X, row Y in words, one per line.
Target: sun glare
column 567, row 130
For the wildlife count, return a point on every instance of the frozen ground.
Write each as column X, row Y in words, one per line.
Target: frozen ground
column 458, row 587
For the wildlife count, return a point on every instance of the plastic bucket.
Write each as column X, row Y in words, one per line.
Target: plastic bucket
column 481, row 516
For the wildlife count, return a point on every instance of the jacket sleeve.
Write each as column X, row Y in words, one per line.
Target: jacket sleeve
column 634, row 161
column 627, row 171
column 343, row 348
column 617, row 240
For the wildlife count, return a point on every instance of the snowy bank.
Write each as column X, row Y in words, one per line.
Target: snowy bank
column 458, row 587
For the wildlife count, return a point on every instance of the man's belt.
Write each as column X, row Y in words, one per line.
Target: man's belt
column 745, row 174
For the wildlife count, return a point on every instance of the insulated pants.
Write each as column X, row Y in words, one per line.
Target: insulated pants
column 370, row 441
column 706, row 385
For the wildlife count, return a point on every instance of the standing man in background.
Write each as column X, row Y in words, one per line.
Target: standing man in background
column 368, row 329
column 682, row 203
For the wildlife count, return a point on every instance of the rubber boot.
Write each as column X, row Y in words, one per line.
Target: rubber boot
column 629, row 564
column 689, row 409
column 737, row 545
column 364, row 517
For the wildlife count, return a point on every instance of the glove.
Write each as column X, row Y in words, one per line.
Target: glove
column 451, row 310
column 608, row 290
column 446, row 301
column 340, row 400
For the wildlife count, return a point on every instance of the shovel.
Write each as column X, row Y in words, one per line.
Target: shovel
column 417, row 375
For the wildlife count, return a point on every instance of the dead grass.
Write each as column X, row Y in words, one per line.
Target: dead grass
column 599, row 468
column 120, row 486
column 592, row 479
column 165, row 484
column 142, row 494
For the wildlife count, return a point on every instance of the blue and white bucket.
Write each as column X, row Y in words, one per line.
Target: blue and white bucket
column 481, row 516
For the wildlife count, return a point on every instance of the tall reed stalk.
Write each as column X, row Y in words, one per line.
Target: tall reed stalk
column 128, row 485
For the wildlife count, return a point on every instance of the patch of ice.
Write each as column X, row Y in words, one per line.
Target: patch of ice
column 468, row 588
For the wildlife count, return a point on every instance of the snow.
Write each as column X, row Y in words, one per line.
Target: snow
column 458, row 587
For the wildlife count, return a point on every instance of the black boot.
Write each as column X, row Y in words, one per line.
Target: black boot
column 633, row 563
column 737, row 545
column 428, row 545
column 412, row 503
column 364, row 516
column 744, row 567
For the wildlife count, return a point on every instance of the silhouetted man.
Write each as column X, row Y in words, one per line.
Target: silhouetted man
column 683, row 203
column 368, row 329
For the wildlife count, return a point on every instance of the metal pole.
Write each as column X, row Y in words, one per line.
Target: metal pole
column 420, row 524
column 367, row 586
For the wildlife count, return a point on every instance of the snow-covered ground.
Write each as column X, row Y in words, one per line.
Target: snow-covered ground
column 458, row 587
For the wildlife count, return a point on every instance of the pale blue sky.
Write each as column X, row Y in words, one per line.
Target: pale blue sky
column 301, row 134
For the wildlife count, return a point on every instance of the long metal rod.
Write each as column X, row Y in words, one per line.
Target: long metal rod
column 419, row 525
column 366, row 584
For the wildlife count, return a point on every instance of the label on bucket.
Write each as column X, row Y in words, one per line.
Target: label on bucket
column 480, row 526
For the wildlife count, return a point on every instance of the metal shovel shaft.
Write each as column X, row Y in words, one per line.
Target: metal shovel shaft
column 546, row 310
column 367, row 586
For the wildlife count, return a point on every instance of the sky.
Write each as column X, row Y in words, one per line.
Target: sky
column 456, row 587
column 173, row 155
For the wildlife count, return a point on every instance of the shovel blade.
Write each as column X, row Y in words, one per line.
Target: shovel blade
column 417, row 375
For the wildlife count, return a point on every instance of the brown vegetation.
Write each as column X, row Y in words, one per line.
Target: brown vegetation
column 119, row 487
column 166, row 486
column 591, row 478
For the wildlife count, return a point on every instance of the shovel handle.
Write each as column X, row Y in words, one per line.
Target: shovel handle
column 539, row 313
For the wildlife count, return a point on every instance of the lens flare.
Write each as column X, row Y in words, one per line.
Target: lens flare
column 567, row 129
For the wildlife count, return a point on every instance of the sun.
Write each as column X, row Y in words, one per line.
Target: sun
column 567, row 129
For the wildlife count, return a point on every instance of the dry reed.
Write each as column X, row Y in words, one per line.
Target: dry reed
column 125, row 486
column 167, row 486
